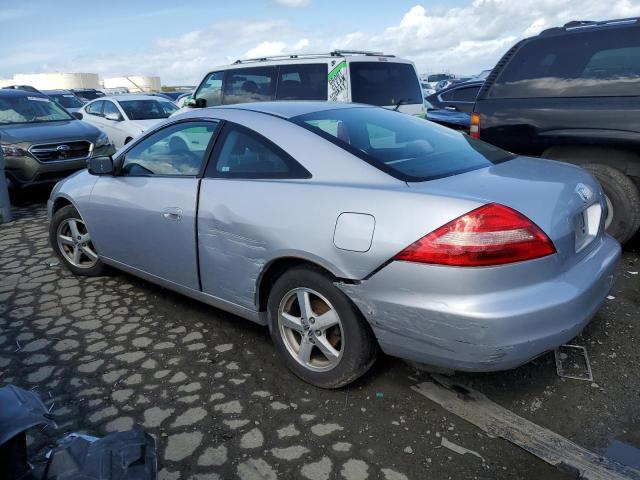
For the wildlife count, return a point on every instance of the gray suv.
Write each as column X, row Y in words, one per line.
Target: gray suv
column 42, row 142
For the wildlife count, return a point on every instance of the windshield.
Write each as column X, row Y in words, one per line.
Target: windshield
column 404, row 146
column 438, row 77
column 147, row 109
column 384, row 83
column 67, row 100
column 89, row 94
column 32, row 109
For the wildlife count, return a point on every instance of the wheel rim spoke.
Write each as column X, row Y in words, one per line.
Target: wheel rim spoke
column 291, row 321
column 304, row 353
column 89, row 253
column 326, row 320
column 304, row 302
column 73, row 227
column 327, row 349
column 65, row 240
column 76, row 255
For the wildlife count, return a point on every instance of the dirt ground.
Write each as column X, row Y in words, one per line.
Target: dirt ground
column 116, row 351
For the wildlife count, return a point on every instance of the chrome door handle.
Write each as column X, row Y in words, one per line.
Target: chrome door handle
column 174, row 214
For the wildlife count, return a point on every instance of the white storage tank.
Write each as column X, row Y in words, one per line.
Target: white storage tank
column 135, row 83
column 51, row 81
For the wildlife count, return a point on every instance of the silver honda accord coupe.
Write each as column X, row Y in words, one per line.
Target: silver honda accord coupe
column 348, row 229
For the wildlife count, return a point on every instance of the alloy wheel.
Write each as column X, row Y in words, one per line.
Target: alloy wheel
column 311, row 329
column 75, row 244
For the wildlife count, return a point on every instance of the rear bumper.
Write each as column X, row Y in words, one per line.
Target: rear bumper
column 503, row 326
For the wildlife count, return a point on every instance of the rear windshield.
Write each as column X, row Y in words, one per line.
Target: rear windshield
column 384, row 83
column 67, row 100
column 597, row 63
column 89, row 94
column 147, row 109
column 404, row 146
column 31, row 109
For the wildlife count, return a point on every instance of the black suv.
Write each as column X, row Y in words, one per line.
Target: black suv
column 573, row 94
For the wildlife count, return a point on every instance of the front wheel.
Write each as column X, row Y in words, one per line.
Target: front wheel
column 318, row 332
column 71, row 241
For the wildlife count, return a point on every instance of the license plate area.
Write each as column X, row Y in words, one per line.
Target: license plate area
column 587, row 224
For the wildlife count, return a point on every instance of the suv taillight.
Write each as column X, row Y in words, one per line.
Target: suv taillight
column 490, row 235
column 474, row 129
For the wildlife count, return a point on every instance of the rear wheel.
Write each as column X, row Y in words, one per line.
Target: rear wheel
column 318, row 332
column 71, row 240
column 623, row 201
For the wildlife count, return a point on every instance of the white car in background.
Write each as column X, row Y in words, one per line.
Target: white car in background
column 124, row 117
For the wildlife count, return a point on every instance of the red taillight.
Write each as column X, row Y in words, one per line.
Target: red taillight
column 490, row 235
column 474, row 129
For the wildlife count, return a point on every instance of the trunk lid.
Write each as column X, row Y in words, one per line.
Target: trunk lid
column 565, row 201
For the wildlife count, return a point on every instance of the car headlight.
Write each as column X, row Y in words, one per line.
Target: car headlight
column 13, row 151
column 102, row 140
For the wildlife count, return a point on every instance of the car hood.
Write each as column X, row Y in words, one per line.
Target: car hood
column 48, row 131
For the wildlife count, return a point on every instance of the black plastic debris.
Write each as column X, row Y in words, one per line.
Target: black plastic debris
column 19, row 410
column 127, row 455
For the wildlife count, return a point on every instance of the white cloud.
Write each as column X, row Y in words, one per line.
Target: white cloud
column 294, row 3
column 462, row 40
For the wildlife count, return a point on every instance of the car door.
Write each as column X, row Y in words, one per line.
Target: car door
column 460, row 98
column 114, row 128
column 144, row 217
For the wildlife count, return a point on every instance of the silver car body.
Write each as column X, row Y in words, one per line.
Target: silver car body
column 351, row 219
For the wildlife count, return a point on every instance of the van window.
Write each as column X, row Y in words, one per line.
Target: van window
column 255, row 84
column 462, row 94
column 302, row 81
column 384, row 83
column 599, row 63
column 211, row 89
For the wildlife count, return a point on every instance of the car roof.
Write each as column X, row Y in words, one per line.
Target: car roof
column 58, row 91
column 289, row 109
column 12, row 92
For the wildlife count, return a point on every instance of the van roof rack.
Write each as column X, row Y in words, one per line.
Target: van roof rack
column 580, row 24
column 335, row 53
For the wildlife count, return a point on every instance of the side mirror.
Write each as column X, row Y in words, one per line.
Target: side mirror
column 195, row 103
column 114, row 117
column 78, row 115
column 100, row 166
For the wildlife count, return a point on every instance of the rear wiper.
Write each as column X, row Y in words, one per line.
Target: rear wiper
column 402, row 101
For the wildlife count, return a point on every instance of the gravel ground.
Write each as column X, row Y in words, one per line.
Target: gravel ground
column 117, row 351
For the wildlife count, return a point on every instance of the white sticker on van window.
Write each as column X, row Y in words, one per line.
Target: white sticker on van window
column 338, row 82
column 225, row 169
column 38, row 99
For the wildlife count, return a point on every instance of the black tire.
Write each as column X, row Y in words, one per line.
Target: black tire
column 624, row 196
column 360, row 348
column 65, row 213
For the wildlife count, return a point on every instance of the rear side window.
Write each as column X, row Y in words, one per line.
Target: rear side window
column 384, row 83
column 242, row 153
column 401, row 145
column 587, row 64
column 463, row 94
column 303, row 81
column 256, row 84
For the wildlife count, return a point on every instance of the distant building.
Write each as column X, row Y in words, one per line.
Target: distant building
column 50, row 81
column 134, row 83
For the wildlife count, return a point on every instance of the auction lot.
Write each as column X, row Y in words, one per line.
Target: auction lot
column 111, row 352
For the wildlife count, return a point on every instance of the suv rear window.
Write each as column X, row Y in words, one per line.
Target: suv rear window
column 384, row 83
column 404, row 146
column 597, row 63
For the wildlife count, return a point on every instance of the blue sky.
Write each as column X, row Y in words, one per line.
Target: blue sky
column 181, row 40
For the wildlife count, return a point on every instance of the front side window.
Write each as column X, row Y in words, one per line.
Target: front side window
column 95, row 108
column 302, row 81
column 177, row 150
column 147, row 109
column 597, row 63
column 30, row 109
column 384, row 83
column 401, row 145
column 110, row 108
column 211, row 89
column 246, row 154
column 255, row 84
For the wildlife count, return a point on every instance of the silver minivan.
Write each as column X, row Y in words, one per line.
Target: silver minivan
column 340, row 76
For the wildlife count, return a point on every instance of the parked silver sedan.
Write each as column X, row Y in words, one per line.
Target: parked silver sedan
column 348, row 229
